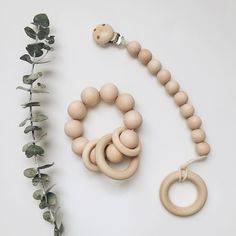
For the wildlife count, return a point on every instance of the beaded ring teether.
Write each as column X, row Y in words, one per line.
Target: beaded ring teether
column 113, row 148
column 104, row 35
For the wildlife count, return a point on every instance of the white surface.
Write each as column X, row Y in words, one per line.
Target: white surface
column 196, row 41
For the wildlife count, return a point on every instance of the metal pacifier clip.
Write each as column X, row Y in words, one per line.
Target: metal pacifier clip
column 105, row 35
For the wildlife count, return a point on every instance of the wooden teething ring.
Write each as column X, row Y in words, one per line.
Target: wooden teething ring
column 123, row 142
column 183, row 211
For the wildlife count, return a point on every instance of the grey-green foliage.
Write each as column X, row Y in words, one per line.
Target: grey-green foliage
column 37, row 50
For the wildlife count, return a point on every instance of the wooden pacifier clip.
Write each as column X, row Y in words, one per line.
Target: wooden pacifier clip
column 105, row 35
column 122, row 143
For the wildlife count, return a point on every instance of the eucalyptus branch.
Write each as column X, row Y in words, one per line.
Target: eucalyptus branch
column 37, row 52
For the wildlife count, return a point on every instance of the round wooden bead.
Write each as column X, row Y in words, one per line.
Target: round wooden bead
column 125, row 102
column 129, row 138
column 90, row 96
column 163, row 76
column 144, row 56
column 154, row 66
column 198, row 135
column 132, row 119
column 194, row 122
column 181, row 98
column 202, row 148
column 78, row 145
column 102, row 34
column 133, row 48
column 187, row 110
column 92, row 156
column 77, row 110
column 113, row 154
column 73, row 128
column 172, row 87
column 109, row 93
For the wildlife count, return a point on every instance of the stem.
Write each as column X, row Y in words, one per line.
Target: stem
column 32, row 124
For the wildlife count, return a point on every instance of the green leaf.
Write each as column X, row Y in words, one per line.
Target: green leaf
column 45, row 166
column 23, row 88
column 43, row 203
column 24, row 122
column 51, row 199
column 30, row 173
column 46, row 47
column 39, row 118
column 38, row 194
column 43, row 178
column 26, row 146
column 29, row 79
column 31, row 128
column 34, row 150
column 30, row 104
column 42, row 20
column 43, row 33
column 47, row 216
column 35, row 49
column 26, row 58
column 38, row 91
column 30, row 32
column 51, row 39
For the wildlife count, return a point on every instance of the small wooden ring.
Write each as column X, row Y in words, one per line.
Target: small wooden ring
column 106, row 169
column 121, row 147
column 86, row 153
column 183, row 211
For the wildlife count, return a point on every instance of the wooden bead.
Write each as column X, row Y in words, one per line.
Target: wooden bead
column 90, row 96
column 144, row 56
column 133, row 48
column 102, row 34
column 132, row 119
column 198, row 135
column 154, row 66
column 73, row 128
column 181, row 98
column 113, row 155
column 163, row 76
column 172, row 87
column 78, row 145
column 129, row 138
column 109, row 93
column 125, row 102
column 203, row 148
column 187, row 110
column 194, row 122
column 77, row 110
column 92, row 156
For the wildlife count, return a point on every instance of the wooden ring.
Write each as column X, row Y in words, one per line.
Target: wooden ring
column 121, row 147
column 183, row 211
column 106, row 169
column 86, row 153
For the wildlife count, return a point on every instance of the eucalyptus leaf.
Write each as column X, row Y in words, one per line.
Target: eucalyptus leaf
column 47, row 216
column 42, row 20
column 30, row 173
column 38, row 91
column 51, row 199
column 51, row 39
column 31, row 128
column 43, row 178
column 26, row 58
column 43, row 203
column 26, row 146
column 30, row 104
column 34, row 150
column 23, row 88
column 47, row 47
column 39, row 117
column 43, row 33
column 24, row 122
column 30, row 32
column 38, row 194
column 35, row 49
column 45, row 166
column 29, row 79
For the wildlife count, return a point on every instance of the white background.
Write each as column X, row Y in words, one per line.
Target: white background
column 196, row 40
